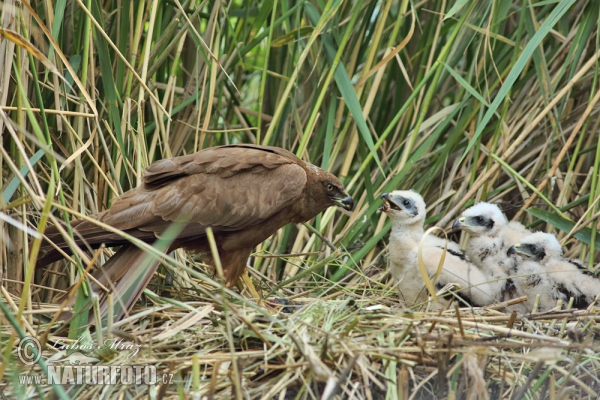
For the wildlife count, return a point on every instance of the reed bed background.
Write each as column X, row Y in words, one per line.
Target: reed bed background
column 461, row 100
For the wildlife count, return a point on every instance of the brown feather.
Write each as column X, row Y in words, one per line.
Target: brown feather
column 244, row 193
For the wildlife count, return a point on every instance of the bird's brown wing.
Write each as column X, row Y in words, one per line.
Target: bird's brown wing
column 226, row 188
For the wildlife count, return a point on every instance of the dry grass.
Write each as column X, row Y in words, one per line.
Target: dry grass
column 356, row 340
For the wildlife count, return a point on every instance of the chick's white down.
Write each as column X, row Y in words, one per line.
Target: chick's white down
column 491, row 234
column 541, row 269
column 406, row 210
column 490, row 237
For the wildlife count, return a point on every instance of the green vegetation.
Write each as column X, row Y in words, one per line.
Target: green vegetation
column 461, row 100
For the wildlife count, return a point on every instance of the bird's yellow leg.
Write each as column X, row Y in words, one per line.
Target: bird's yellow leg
column 245, row 286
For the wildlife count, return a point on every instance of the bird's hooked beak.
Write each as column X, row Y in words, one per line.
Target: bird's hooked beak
column 345, row 202
column 514, row 249
column 528, row 250
column 389, row 203
column 459, row 223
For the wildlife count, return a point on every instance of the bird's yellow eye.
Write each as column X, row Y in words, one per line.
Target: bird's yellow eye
column 329, row 187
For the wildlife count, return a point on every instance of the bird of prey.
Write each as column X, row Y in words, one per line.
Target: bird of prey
column 490, row 237
column 543, row 270
column 243, row 192
column 406, row 210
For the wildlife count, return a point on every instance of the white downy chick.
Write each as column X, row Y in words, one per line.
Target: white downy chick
column 406, row 210
column 557, row 277
column 491, row 234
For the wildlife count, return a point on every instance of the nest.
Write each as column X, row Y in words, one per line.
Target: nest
column 351, row 341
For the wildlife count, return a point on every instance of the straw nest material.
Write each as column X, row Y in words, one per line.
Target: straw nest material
column 352, row 340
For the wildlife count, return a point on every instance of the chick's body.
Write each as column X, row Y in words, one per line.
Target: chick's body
column 406, row 210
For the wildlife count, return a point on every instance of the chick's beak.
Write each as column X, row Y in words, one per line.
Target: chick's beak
column 385, row 197
column 513, row 249
column 389, row 203
column 459, row 223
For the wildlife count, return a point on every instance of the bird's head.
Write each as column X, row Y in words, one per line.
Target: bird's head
column 483, row 219
column 330, row 191
column 538, row 247
column 404, row 206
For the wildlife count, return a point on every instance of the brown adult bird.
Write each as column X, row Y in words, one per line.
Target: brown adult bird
column 243, row 192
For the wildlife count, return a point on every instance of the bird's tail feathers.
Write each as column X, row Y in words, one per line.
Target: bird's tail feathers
column 126, row 274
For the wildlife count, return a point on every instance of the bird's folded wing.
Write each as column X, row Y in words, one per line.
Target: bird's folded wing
column 229, row 188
